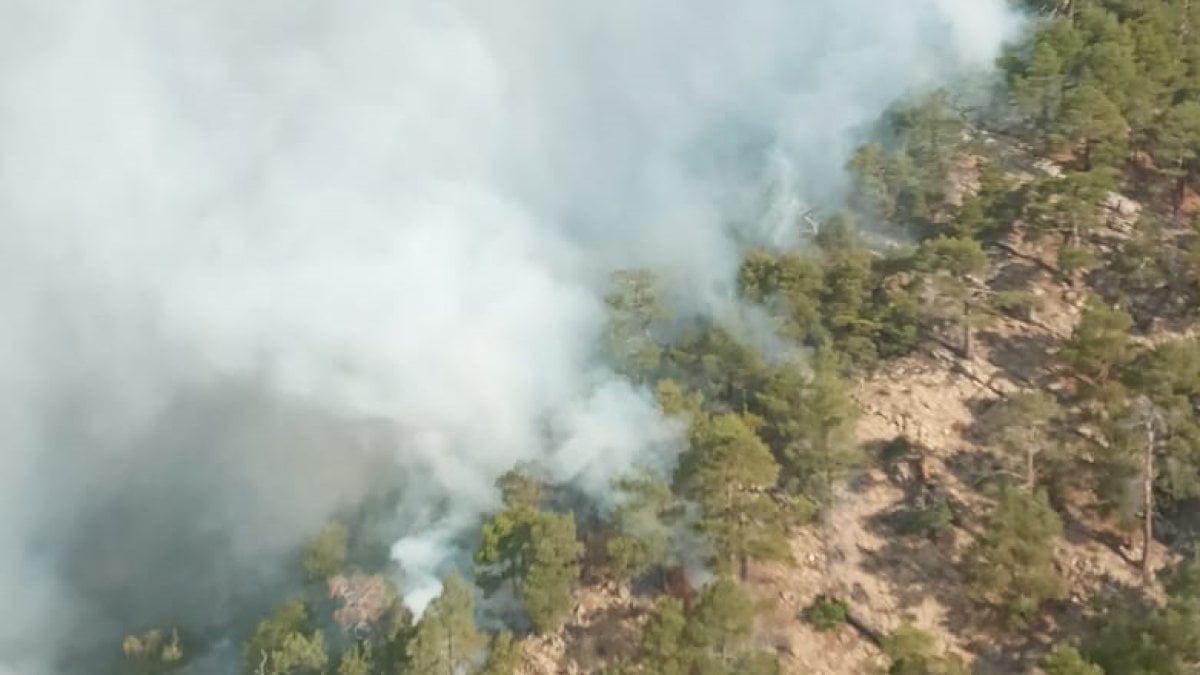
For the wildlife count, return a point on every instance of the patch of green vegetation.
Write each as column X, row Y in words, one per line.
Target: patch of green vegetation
column 826, row 614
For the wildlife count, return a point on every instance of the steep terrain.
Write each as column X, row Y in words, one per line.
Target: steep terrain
column 933, row 399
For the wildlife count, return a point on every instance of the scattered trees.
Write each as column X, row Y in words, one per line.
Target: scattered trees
column 154, row 652
column 715, row 637
column 1066, row 660
column 285, row 644
column 1149, row 638
column 356, row 661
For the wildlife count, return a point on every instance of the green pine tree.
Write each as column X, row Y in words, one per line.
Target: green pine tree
column 446, row 641
column 1011, row 565
column 730, row 473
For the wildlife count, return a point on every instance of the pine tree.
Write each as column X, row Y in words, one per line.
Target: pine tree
column 718, row 368
column 931, row 134
column 1177, row 145
column 640, row 522
column 283, row 644
column 446, row 641
column 1166, row 433
column 154, row 652
column 1089, row 119
column 1108, row 61
column 876, row 185
column 730, row 472
column 504, row 655
column 299, row 654
column 1037, row 91
column 913, row 652
column 721, row 624
column 953, row 265
column 506, row 550
column 1069, row 207
column 519, row 490
column 356, row 661
column 789, row 286
column 1066, row 660
column 1100, row 344
column 534, row 551
column 553, row 571
column 1153, row 639
column 1011, row 565
column 637, row 314
column 714, row 638
column 327, row 552
column 664, row 648
column 1023, row 426
column 846, row 304
column 823, row 450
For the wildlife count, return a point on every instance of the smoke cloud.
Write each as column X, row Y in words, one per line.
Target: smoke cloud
column 231, row 231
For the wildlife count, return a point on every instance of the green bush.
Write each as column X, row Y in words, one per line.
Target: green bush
column 921, row 522
column 826, row 614
column 895, row 450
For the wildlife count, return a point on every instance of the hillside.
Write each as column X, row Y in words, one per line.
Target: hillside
column 953, row 426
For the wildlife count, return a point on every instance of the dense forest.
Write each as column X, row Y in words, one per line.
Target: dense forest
column 1078, row 178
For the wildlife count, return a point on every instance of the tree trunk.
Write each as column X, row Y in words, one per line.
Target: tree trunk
column 1148, row 503
column 824, row 450
column 1180, row 190
column 966, row 329
column 870, row 634
column 1030, row 474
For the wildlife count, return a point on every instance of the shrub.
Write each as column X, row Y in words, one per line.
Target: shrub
column 826, row 614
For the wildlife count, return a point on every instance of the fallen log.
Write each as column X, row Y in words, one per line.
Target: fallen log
column 868, row 633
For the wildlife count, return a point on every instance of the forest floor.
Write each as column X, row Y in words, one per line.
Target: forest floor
column 933, row 398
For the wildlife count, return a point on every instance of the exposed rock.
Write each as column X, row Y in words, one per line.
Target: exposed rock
column 1048, row 167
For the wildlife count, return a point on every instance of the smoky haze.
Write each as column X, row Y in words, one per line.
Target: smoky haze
column 230, row 229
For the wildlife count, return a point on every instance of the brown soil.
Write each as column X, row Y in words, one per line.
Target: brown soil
column 931, row 398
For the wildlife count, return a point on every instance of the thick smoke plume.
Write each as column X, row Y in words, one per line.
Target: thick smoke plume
column 231, row 231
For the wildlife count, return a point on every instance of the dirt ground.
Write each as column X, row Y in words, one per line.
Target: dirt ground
column 932, row 398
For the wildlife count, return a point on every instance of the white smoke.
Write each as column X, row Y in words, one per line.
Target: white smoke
column 400, row 209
